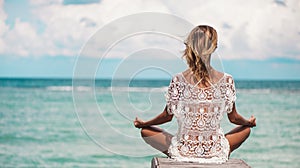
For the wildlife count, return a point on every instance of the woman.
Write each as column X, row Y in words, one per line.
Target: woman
column 198, row 98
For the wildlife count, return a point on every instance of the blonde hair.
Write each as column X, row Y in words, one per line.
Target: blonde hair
column 200, row 44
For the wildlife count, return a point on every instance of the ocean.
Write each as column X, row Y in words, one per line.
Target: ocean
column 50, row 123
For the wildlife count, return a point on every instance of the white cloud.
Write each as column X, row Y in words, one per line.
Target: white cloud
column 145, row 42
column 45, row 3
column 3, row 26
column 22, row 39
column 252, row 29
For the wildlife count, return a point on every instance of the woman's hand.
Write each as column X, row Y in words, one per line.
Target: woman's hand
column 252, row 121
column 138, row 123
column 160, row 119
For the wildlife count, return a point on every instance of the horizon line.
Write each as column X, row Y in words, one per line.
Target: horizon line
column 139, row 78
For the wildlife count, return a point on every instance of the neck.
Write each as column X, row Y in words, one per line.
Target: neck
column 207, row 62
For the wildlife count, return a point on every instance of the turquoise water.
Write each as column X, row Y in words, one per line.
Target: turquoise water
column 40, row 125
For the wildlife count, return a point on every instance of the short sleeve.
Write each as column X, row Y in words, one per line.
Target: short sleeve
column 171, row 96
column 168, row 96
column 230, row 94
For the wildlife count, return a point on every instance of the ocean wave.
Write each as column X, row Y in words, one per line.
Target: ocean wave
column 268, row 91
column 68, row 88
column 137, row 89
column 255, row 91
column 59, row 88
column 111, row 89
column 83, row 88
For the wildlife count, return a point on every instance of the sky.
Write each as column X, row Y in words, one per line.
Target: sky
column 44, row 39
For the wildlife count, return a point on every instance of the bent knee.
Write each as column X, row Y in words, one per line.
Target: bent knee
column 144, row 132
column 247, row 130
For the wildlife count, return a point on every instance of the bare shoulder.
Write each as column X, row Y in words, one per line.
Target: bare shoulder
column 217, row 76
column 186, row 72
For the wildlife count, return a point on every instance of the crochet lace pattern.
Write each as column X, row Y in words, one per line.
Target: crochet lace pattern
column 199, row 111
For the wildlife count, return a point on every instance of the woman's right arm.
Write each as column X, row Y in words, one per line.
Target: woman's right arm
column 160, row 119
column 236, row 118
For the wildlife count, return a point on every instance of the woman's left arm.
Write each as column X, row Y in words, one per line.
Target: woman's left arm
column 236, row 118
column 160, row 119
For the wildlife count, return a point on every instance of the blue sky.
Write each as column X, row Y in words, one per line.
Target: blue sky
column 257, row 40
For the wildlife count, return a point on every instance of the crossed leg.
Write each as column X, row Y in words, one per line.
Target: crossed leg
column 157, row 138
column 161, row 140
column 237, row 136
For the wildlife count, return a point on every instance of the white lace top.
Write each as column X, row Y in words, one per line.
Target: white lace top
column 199, row 111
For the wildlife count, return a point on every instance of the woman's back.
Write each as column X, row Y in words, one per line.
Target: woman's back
column 199, row 112
column 198, row 98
